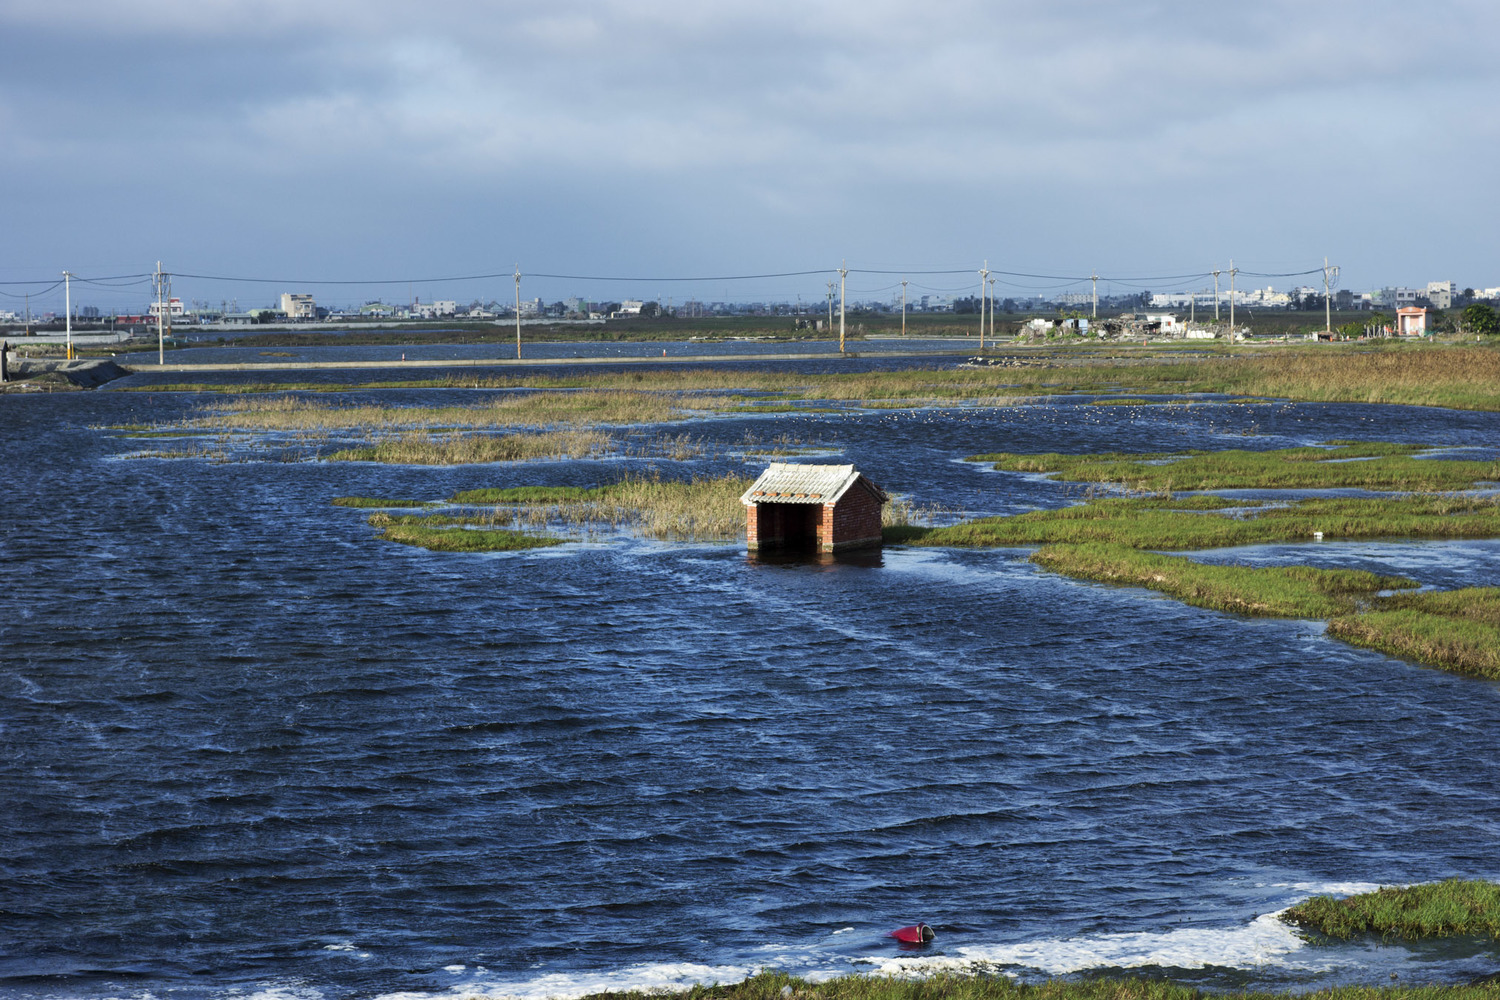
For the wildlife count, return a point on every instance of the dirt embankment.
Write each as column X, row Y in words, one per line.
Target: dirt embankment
column 37, row 375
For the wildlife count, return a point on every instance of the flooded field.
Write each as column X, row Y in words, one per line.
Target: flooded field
column 251, row 750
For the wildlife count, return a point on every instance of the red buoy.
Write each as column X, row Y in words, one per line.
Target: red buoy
column 915, row 934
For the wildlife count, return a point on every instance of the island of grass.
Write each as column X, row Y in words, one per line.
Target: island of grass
column 1434, row 910
column 444, row 533
column 1370, row 465
column 1120, row 540
column 379, row 502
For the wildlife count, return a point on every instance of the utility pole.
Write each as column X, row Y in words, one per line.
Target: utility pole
column 518, row 311
column 992, row 312
column 1094, row 277
column 1216, row 295
column 68, row 309
column 161, row 334
column 1328, row 272
column 843, row 273
column 1232, row 272
column 830, row 307
column 984, row 277
column 903, row 307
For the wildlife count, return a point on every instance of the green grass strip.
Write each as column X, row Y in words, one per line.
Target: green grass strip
column 379, row 502
column 1456, row 629
column 1371, row 465
column 1439, row 909
column 532, row 494
column 1194, row 523
column 460, row 539
column 1266, row 591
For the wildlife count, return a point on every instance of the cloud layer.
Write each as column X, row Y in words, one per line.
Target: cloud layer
column 345, row 139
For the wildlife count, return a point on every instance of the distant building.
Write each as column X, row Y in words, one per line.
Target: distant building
column 1441, row 294
column 298, row 306
column 1165, row 322
column 174, row 308
column 1411, row 321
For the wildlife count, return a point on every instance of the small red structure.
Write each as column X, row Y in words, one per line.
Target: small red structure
column 820, row 508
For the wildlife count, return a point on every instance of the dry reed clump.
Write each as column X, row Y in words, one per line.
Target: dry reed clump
column 523, row 409
column 1424, row 375
column 697, row 509
column 423, row 448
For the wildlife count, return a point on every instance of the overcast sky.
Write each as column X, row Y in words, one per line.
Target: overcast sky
column 355, row 139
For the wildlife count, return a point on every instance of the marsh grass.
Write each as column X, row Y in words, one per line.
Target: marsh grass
column 769, row 985
column 1457, row 629
column 378, row 502
column 1425, row 375
column 1209, row 522
column 424, row 448
column 465, row 539
column 697, row 509
column 1265, row 591
column 1372, row 465
column 1434, row 910
column 521, row 409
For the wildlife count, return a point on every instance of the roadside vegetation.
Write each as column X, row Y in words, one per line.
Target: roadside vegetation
column 1433, row 910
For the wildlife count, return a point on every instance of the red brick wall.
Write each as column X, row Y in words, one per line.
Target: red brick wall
column 853, row 522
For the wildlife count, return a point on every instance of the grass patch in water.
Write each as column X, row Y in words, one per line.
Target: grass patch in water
column 697, row 509
column 1125, row 402
column 1265, row 591
column 465, row 539
column 1200, row 522
column 1457, row 630
column 1434, row 910
column 1371, row 465
column 423, row 448
column 525, row 409
column 380, row 502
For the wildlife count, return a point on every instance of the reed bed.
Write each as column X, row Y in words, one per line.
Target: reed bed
column 1457, row 630
column 1425, row 375
column 424, row 448
column 1433, row 910
column 1264, row 591
column 1372, row 465
column 697, row 509
column 529, row 409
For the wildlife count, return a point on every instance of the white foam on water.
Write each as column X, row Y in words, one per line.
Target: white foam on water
column 668, row 976
column 1264, row 941
column 1329, row 888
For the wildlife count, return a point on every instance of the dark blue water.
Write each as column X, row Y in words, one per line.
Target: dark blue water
column 248, row 749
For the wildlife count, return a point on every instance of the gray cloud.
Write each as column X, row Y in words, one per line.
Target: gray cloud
column 667, row 136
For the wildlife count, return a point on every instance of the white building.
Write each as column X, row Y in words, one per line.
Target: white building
column 298, row 306
column 1441, row 294
column 174, row 308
